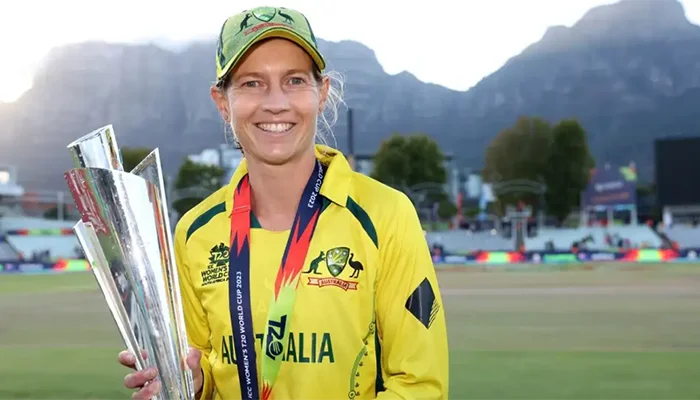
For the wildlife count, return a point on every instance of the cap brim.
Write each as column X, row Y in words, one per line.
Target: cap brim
column 280, row 32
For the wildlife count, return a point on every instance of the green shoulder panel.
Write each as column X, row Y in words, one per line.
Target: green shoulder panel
column 204, row 218
column 362, row 216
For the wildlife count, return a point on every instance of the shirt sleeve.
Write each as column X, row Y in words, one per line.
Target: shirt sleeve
column 196, row 324
column 410, row 313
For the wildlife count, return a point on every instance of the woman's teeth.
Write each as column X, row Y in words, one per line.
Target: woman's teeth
column 276, row 128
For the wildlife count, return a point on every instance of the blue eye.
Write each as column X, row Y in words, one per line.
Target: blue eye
column 250, row 84
column 296, row 81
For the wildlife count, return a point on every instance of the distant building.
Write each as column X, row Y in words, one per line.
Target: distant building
column 224, row 156
column 8, row 182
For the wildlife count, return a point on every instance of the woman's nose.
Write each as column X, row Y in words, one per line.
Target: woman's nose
column 276, row 100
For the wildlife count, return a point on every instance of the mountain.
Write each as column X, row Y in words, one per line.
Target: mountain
column 627, row 22
column 629, row 71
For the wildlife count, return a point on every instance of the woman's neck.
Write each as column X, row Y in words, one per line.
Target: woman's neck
column 276, row 190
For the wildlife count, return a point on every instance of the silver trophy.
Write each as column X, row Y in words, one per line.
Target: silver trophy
column 126, row 237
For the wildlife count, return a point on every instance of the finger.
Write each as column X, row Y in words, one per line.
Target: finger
column 127, row 359
column 138, row 379
column 148, row 392
column 193, row 359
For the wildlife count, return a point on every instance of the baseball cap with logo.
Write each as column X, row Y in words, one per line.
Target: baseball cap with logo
column 241, row 31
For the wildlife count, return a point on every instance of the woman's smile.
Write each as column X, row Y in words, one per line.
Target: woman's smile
column 275, row 128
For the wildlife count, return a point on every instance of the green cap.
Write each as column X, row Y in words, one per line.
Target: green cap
column 239, row 32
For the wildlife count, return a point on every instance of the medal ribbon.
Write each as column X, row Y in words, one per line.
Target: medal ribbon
column 276, row 334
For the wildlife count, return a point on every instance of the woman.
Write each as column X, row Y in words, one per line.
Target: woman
column 325, row 270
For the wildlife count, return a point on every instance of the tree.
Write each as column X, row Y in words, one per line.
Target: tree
column 569, row 163
column 515, row 162
column 406, row 161
column 206, row 178
column 132, row 156
column 532, row 155
column 414, row 165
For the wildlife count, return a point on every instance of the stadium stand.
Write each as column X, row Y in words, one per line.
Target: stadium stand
column 19, row 223
column 685, row 235
column 30, row 238
column 7, row 251
column 465, row 241
column 553, row 239
column 45, row 248
column 595, row 238
column 37, row 239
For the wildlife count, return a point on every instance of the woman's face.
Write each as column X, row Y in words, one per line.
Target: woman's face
column 272, row 102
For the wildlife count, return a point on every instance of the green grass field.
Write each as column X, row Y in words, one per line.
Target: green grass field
column 604, row 333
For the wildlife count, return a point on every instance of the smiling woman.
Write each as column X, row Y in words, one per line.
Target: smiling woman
column 369, row 324
column 271, row 101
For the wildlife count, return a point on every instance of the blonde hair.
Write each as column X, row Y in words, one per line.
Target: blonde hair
column 326, row 118
column 329, row 116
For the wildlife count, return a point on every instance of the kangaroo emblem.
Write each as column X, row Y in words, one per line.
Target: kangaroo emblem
column 313, row 266
column 244, row 23
column 356, row 266
column 287, row 18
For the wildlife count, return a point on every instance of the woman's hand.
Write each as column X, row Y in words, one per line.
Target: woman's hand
column 144, row 380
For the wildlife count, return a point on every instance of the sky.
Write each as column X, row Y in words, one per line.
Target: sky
column 453, row 43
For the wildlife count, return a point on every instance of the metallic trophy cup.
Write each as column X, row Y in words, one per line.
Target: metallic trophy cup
column 126, row 237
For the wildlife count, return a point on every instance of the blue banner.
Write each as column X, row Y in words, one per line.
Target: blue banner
column 611, row 187
column 21, row 267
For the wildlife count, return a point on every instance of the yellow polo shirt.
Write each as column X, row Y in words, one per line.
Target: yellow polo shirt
column 368, row 321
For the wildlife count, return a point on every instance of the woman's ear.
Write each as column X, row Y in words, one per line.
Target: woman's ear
column 323, row 93
column 219, row 97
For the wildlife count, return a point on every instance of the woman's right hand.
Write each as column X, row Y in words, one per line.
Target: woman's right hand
column 144, row 380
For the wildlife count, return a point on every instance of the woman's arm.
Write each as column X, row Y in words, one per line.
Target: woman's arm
column 410, row 314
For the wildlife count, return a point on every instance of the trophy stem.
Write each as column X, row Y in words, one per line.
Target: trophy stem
column 150, row 168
